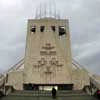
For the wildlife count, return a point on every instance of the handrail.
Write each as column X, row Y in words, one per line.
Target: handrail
column 2, row 86
column 2, row 82
column 95, row 82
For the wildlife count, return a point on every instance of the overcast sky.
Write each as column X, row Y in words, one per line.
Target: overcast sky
column 84, row 16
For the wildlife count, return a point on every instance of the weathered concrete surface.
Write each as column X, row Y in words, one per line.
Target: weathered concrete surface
column 48, row 58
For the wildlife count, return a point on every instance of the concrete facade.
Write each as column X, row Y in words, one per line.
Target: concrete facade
column 48, row 57
column 15, row 79
column 49, row 68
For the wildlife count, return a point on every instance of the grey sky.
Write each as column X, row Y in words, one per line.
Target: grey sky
column 84, row 16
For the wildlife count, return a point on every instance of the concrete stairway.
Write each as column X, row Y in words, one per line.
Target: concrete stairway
column 46, row 95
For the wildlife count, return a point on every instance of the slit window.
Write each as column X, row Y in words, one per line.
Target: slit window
column 33, row 29
column 53, row 28
column 42, row 28
column 62, row 30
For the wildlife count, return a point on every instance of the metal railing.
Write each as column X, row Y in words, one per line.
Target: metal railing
column 2, row 86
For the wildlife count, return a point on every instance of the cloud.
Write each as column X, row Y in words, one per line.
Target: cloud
column 84, row 21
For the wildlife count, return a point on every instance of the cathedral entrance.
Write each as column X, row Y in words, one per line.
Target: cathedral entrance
column 30, row 87
column 57, row 87
column 65, row 87
column 47, row 87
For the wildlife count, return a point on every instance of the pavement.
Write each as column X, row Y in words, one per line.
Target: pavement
column 40, row 95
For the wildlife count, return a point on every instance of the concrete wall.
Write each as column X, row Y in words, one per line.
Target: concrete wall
column 80, row 79
column 34, row 72
column 15, row 79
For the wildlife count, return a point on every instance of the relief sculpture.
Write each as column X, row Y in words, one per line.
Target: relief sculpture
column 48, row 64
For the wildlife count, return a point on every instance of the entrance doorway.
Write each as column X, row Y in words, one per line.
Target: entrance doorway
column 65, row 87
column 47, row 87
column 30, row 87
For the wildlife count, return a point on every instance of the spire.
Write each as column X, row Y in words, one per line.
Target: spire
column 47, row 10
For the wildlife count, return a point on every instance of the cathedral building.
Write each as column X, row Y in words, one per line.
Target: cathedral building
column 48, row 60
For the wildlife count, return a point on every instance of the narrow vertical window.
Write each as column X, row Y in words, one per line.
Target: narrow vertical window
column 42, row 28
column 62, row 30
column 33, row 29
column 53, row 28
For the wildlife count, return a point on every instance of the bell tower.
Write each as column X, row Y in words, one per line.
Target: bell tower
column 48, row 58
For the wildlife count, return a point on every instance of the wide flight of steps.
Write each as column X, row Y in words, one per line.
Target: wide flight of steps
column 46, row 95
